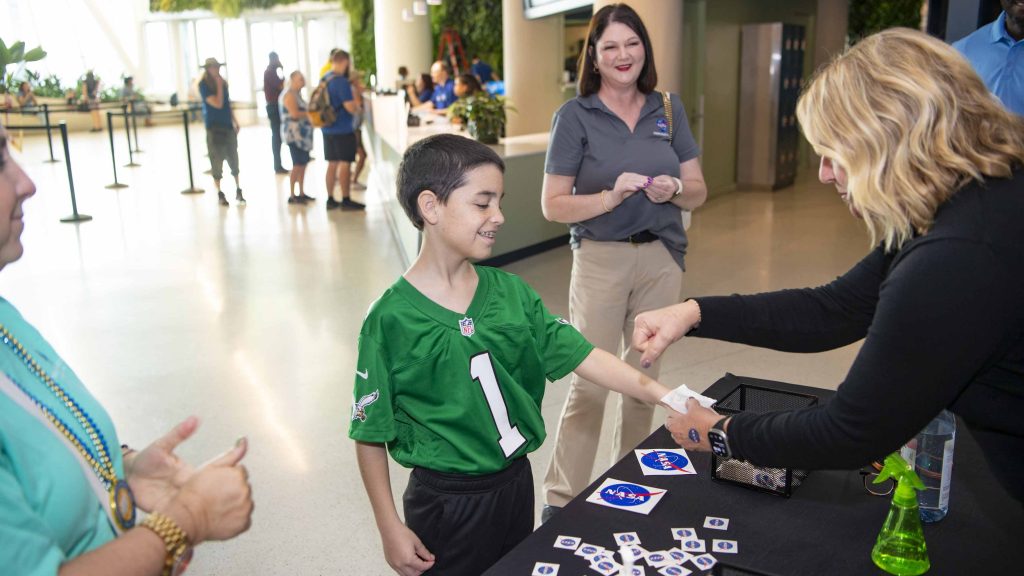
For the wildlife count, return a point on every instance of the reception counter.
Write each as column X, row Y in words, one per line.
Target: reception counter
column 525, row 231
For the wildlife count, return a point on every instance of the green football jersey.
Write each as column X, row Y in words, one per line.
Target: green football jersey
column 460, row 392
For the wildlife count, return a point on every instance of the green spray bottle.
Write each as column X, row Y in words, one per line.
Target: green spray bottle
column 900, row 548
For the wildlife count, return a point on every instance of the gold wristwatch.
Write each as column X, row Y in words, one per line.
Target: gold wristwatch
column 179, row 551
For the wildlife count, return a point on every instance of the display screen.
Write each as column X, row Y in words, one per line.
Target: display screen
column 540, row 8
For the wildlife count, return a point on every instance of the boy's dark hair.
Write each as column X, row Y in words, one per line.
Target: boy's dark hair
column 439, row 163
column 589, row 81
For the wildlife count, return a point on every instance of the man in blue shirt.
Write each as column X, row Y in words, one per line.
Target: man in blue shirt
column 997, row 53
column 444, row 88
column 483, row 71
column 339, row 137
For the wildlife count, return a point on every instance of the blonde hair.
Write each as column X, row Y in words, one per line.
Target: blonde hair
column 910, row 122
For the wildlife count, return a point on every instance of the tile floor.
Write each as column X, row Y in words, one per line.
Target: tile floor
column 168, row 305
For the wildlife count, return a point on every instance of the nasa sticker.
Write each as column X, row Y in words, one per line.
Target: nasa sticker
column 588, row 551
column 544, row 569
column 659, row 558
column 678, row 556
column 626, row 538
column 716, row 523
column 661, row 125
column 674, row 571
column 704, row 561
column 637, row 571
column 567, row 542
column 725, row 546
column 684, row 534
column 693, row 546
column 665, row 462
column 606, row 566
column 626, row 496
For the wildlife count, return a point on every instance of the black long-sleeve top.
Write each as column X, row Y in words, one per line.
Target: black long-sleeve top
column 943, row 326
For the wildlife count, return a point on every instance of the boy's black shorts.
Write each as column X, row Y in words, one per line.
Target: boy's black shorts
column 470, row 522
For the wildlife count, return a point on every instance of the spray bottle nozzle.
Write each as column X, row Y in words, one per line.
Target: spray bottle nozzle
column 907, row 481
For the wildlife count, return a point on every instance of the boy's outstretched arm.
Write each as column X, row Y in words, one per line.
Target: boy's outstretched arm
column 402, row 548
column 608, row 371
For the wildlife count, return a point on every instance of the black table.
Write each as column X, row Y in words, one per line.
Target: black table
column 828, row 526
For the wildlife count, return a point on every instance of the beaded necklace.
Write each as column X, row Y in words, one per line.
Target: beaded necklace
column 122, row 501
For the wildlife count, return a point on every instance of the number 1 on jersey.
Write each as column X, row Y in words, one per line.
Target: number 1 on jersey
column 509, row 437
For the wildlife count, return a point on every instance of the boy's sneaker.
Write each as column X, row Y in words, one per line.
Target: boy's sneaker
column 350, row 204
column 306, row 198
column 295, row 200
column 222, row 199
column 332, row 203
column 239, row 198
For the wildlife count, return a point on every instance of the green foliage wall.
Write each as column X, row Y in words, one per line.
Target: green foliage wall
column 870, row 16
column 364, row 53
column 479, row 24
column 223, row 8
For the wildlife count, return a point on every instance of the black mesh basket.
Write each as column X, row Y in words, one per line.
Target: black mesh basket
column 754, row 398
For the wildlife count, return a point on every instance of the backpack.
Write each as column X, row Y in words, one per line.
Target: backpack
column 321, row 112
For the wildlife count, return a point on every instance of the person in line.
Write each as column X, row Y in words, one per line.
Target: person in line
column 91, row 98
column 297, row 131
column 421, row 90
column 339, row 137
column 919, row 150
column 444, row 89
column 451, row 372
column 221, row 128
column 996, row 51
column 134, row 100
column 621, row 169
column 357, row 130
column 69, row 491
column 26, row 97
column 273, row 84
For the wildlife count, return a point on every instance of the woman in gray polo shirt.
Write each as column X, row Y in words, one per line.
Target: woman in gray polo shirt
column 620, row 170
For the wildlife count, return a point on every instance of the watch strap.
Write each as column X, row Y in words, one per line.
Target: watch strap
column 175, row 539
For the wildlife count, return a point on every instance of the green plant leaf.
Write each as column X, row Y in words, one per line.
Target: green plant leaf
column 17, row 51
column 35, row 54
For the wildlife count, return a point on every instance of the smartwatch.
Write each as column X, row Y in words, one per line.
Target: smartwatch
column 719, row 440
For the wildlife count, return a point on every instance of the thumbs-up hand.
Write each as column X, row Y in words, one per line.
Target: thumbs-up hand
column 218, row 497
column 156, row 473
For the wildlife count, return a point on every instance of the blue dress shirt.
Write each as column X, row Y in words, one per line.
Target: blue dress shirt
column 999, row 60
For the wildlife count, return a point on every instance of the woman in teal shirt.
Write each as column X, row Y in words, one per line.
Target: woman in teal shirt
column 68, row 489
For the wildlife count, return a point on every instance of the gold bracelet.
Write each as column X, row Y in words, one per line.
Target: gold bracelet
column 176, row 542
column 603, row 205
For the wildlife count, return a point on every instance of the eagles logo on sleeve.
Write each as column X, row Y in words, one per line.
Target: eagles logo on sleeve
column 359, row 407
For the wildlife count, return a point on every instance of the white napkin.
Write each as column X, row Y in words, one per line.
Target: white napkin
column 676, row 399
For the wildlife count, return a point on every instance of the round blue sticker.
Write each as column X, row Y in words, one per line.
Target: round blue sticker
column 673, row 570
column 702, row 560
column 546, row 570
column 655, row 557
column 605, row 565
column 716, row 522
column 662, row 125
column 694, row 436
column 691, row 544
column 588, row 550
column 725, row 545
column 660, row 460
column 625, row 495
column 568, row 541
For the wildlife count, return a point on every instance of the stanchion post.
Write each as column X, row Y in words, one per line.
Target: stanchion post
column 75, row 216
column 49, row 135
column 113, row 157
column 188, row 156
column 128, row 136
column 135, row 126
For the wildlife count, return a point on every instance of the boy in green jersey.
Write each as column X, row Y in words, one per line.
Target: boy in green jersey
column 453, row 362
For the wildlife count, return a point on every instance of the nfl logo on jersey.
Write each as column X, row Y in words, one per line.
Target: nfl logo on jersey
column 466, row 326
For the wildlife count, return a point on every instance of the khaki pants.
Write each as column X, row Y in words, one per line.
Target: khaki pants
column 611, row 283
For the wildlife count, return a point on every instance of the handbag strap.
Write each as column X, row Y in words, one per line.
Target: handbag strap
column 666, row 97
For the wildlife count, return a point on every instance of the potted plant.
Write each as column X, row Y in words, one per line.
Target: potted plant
column 482, row 115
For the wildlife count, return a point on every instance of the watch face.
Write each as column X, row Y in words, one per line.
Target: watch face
column 718, row 443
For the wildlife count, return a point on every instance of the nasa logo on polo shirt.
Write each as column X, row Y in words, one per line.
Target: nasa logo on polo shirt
column 661, row 125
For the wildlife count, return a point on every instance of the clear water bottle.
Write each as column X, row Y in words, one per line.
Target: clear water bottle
column 931, row 454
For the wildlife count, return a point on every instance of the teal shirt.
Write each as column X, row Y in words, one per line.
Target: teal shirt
column 48, row 512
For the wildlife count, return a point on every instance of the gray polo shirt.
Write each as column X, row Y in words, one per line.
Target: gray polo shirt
column 592, row 144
